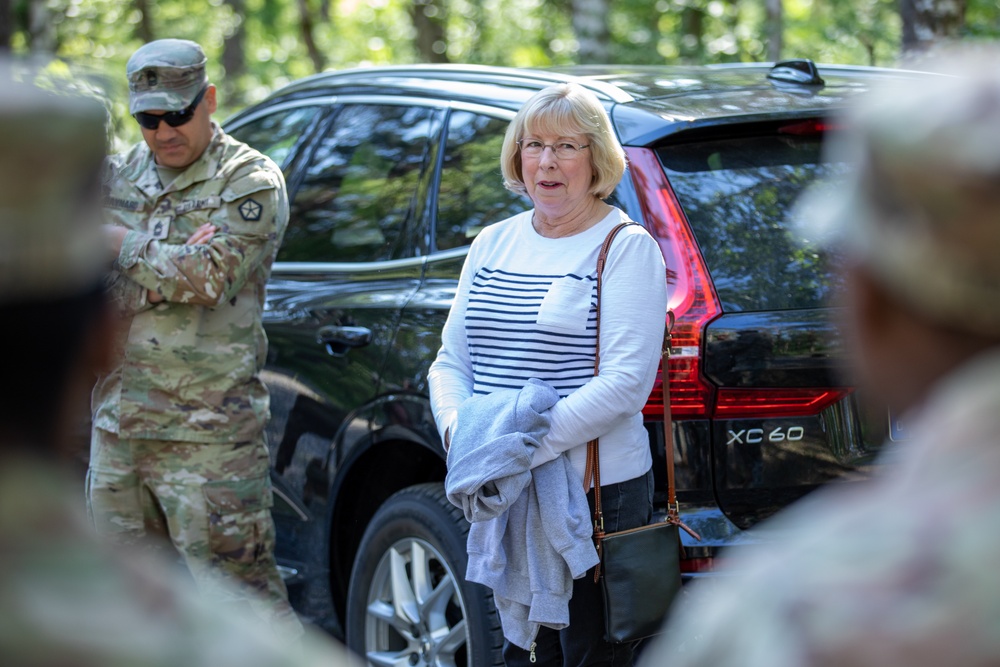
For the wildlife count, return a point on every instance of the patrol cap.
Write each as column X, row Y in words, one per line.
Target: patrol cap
column 50, row 169
column 165, row 75
column 920, row 206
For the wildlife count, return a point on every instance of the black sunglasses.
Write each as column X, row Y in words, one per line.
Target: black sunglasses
column 172, row 118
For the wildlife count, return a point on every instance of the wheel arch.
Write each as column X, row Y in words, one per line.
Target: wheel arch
column 377, row 471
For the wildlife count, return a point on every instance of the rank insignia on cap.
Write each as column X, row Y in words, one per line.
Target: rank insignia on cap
column 250, row 210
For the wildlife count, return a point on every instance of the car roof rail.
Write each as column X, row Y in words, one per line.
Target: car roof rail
column 801, row 71
column 472, row 73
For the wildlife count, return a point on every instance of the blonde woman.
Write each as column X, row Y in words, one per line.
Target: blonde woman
column 526, row 309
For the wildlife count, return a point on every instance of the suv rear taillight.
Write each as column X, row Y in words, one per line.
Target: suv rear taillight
column 695, row 304
column 689, row 289
column 698, row 565
column 764, row 403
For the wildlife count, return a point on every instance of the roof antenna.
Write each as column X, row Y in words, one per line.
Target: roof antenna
column 800, row 71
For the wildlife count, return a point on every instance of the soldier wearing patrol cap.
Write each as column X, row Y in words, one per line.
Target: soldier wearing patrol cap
column 194, row 219
column 66, row 597
column 902, row 571
column 52, row 258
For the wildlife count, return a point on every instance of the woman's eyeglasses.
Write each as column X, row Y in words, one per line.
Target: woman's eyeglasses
column 564, row 150
column 172, row 118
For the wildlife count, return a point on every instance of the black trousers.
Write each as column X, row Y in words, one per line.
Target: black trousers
column 625, row 505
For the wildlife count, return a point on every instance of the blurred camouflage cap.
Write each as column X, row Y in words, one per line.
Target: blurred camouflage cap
column 165, row 75
column 920, row 206
column 50, row 171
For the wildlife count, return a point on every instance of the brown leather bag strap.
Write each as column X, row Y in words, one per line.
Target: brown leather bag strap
column 593, row 468
column 668, row 430
column 592, row 472
column 602, row 259
column 673, row 508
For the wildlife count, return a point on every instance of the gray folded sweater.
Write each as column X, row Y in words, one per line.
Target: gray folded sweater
column 531, row 533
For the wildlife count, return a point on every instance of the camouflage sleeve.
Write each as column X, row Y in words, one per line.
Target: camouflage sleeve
column 250, row 222
column 127, row 296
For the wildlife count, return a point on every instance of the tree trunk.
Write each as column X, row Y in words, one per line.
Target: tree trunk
column 926, row 22
column 428, row 18
column 41, row 29
column 6, row 25
column 308, row 38
column 869, row 45
column 234, row 56
column 475, row 16
column 144, row 29
column 775, row 30
column 590, row 23
column 692, row 48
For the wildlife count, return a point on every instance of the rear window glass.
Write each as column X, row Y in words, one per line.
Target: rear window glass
column 738, row 195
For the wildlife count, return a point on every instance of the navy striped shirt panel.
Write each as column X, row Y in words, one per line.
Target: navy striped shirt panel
column 521, row 326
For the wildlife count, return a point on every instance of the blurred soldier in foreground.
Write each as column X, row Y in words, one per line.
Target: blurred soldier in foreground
column 904, row 571
column 66, row 598
column 178, row 453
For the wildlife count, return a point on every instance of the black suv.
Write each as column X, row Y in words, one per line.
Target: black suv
column 391, row 173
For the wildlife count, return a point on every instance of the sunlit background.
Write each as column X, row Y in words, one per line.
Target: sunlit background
column 256, row 46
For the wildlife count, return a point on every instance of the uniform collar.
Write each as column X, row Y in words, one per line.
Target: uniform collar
column 142, row 170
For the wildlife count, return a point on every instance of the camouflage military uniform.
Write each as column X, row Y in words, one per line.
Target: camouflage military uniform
column 901, row 571
column 67, row 598
column 178, row 445
column 190, row 365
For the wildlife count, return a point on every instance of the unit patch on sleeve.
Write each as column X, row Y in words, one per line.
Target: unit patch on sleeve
column 250, row 210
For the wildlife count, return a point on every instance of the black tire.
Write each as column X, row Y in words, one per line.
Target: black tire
column 453, row 622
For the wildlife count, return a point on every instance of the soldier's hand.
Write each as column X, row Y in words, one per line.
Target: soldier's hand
column 203, row 234
column 114, row 236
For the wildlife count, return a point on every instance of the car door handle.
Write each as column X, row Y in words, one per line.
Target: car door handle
column 338, row 340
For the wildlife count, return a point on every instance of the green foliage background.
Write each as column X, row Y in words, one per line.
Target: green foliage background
column 97, row 36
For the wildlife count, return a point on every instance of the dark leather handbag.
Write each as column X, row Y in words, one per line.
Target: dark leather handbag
column 639, row 571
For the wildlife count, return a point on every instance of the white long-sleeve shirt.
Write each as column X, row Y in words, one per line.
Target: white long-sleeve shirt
column 526, row 307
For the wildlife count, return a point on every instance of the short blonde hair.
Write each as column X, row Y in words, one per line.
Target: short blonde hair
column 565, row 108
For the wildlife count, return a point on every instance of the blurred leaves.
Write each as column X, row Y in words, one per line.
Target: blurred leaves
column 267, row 43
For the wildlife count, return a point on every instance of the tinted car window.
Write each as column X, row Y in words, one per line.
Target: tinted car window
column 472, row 194
column 738, row 195
column 357, row 200
column 276, row 134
